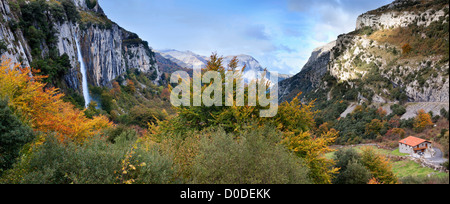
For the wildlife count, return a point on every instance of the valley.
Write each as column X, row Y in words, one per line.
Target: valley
column 85, row 101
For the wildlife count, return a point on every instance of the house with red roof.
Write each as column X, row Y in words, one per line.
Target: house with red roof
column 416, row 147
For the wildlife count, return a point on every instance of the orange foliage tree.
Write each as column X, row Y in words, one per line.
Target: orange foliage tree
column 406, row 49
column 116, row 90
column 43, row 108
column 422, row 121
column 130, row 86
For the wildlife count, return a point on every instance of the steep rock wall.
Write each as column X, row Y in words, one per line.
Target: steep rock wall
column 108, row 51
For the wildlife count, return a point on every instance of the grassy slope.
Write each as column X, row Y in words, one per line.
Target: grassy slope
column 403, row 168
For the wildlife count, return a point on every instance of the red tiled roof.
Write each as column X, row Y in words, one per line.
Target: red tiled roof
column 413, row 141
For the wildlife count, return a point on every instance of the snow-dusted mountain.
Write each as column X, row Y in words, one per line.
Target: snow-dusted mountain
column 190, row 60
column 186, row 59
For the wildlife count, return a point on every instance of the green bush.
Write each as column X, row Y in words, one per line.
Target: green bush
column 398, row 110
column 91, row 3
column 13, row 136
column 367, row 30
column 351, row 169
column 71, row 10
column 54, row 67
column 444, row 113
column 253, row 157
column 3, row 47
column 96, row 162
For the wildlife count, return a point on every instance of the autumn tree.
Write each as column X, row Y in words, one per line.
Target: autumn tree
column 406, row 48
column 295, row 120
column 395, row 134
column 379, row 166
column 381, row 112
column 165, row 94
column 116, row 90
column 44, row 108
column 394, row 122
column 422, row 121
column 131, row 88
column 374, row 128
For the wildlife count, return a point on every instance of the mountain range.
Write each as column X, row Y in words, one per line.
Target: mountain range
column 397, row 53
column 190, row 60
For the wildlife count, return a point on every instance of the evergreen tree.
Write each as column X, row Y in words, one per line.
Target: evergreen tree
column 13, row 136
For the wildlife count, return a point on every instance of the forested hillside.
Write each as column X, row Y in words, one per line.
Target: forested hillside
column 381, row 83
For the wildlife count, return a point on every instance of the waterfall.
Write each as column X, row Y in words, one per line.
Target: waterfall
column 87, row 98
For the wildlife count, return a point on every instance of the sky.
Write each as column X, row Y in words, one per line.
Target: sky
column 280, row 34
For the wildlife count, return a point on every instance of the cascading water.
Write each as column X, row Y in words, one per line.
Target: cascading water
column 87, row 97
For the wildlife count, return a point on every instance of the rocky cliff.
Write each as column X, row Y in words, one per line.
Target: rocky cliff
column 402, row 13
column 310, row 76
column 15, row 46
column 402, row 46
column 108, row 50
column 398, row 52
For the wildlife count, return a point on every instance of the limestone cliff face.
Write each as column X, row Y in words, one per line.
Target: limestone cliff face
column 17, row 48
column 375, row 51
column 373, row 61
column 108, row 50
column 309, row 78
column 401, row 13
column 108, row 54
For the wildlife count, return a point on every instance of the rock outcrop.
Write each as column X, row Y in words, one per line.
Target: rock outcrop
column 310, row 76
column 108, row 49
column 401, row 13
column 378, row 51
column 17, row 48
column 108, row 53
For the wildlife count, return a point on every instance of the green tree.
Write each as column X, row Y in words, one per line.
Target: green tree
column 351, row 169
column 13, row 136
column 355, row 173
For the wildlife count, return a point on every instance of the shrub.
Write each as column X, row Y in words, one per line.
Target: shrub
column 444, row 113
column 252, row 157
column 71, row 10
column 398, row 109
column 406, row 49
column 91, row 3
column 3, row 47
column 13, row 136
column 95, row 162
column 355, row 173
column 367, row 30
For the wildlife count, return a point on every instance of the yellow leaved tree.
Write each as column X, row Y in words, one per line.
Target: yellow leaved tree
column 44, row 108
